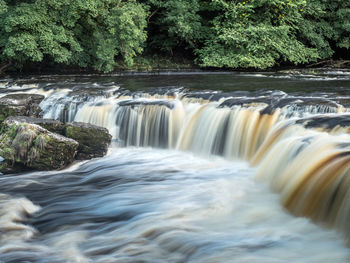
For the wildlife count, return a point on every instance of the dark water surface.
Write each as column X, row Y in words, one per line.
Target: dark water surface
column 326, row 81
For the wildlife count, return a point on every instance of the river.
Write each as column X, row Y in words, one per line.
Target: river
column 204, row 167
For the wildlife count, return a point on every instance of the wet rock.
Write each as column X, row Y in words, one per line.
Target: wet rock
column 326, row 122
column 20, row 105
column 245, row 102
column 29, row 146
column 206, row 96
column 132, row 103
column 300, row 102
column 93, row 140
column 48, row 124
column 8, row 167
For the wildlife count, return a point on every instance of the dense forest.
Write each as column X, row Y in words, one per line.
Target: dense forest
column 103, row 34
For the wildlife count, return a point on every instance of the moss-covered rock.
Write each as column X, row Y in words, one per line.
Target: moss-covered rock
column 7, row 167
column 31, row 146
column 93, row 140
column 20, row 105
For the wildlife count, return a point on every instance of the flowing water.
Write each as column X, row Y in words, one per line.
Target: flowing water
column 204, row 167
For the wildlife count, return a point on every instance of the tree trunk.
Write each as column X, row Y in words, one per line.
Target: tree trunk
column 3, row 67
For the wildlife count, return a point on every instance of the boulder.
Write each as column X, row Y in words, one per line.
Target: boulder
column 93, row 140
column 20, row 104
column 30, row 146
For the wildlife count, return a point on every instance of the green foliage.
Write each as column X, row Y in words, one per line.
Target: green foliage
column 254, row 47
column 3, row 7
column 250, row 33
column 327, row 25
column 256, row 34
column 218, row 33
column 85, row 33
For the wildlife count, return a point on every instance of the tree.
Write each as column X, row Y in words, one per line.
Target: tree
column 255, row 34
column 89, row 33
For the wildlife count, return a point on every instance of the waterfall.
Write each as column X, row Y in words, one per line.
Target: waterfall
column 311, row 171
column 300, row 146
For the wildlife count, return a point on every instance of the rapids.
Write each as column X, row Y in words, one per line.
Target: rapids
column 203, row 168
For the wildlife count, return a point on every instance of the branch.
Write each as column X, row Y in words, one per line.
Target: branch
column 319, row 63
column 152, row 14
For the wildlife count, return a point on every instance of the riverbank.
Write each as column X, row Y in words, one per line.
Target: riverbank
column 155, row 64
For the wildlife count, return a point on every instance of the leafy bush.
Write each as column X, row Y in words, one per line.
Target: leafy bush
column 256, row 34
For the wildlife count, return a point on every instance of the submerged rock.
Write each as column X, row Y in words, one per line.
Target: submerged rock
column 93, row 140
column 29, row 146
column 20, row 105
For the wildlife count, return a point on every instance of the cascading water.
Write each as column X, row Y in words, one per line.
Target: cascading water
column 170, row 206
column 256, row 130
